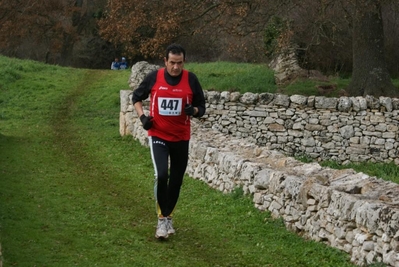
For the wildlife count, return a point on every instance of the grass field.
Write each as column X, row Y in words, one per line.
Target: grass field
column 73, row 192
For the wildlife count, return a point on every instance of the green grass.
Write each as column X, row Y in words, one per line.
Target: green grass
column 73, row 192
column 227, row 76
column 256, row 78
column 385, row 171
column 309, row 87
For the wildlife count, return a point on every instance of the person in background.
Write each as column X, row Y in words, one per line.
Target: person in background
column 175, row 96
column 115, row 64
column 123, row 65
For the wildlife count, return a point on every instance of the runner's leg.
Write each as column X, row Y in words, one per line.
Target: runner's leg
column 159, row 155
column 178, row 164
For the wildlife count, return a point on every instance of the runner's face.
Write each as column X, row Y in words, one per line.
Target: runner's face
column 174, row 65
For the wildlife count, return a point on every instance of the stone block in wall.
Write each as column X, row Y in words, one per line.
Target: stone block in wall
column 344, row 104
column 213, row 97
column 254, row 113
column 347, row 131
column 249, row 98
column 377, row 118
column 262, row 179
column 395, row 103
column 281, row 100
column 372, row 102
column 122, row 124
column 299, row 100
column 265, row 98
column 322, row 102
column 386, row 102
column 358, row 103
column 125, row 98
column 233, row 165
column 139, row 71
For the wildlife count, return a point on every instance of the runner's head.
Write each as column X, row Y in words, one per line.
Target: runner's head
column 174, row 59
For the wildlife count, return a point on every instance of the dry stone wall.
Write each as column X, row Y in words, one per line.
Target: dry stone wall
column 243, row 141
column 344, row 209
column 343, row 129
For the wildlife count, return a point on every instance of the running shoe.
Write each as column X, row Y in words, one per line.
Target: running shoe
column 170, row 228
column 162, row 228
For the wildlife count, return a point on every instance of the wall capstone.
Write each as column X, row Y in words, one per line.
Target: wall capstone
column 139, row 71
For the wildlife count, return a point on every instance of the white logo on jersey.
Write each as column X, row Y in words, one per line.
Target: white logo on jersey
column 163, row 88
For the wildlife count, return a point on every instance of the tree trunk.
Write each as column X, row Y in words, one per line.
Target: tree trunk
column 66, row 50
column 370, row 73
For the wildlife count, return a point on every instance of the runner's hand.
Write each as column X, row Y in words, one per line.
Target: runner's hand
column 146, row 121
column 189, row 109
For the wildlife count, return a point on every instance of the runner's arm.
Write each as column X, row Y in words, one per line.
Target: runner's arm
column 198, row 96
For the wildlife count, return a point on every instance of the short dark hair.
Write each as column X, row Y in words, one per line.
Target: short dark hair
column 175, row 49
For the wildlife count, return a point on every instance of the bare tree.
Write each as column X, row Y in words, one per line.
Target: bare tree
column 63, row 30
column 145, row 28
column 45, row 30
column 370, row 73
column 322, row 28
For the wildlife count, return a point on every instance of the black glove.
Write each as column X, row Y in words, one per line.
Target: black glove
column 146, row 121
column 189, row 110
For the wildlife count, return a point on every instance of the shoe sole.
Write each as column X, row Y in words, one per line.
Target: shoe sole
column 161, row 237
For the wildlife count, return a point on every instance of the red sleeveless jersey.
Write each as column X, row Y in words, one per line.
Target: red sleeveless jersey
column 167, row 104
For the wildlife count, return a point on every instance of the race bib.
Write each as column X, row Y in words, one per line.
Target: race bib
column 168, row 106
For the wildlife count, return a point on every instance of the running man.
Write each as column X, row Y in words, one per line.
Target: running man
column 175, row 96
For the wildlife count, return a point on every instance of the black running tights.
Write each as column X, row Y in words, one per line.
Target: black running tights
column 168, row 179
